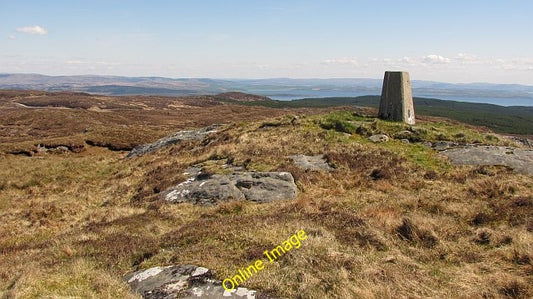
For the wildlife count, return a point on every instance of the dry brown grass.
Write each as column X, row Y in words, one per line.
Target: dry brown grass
column 119, row 123
column 392, row 220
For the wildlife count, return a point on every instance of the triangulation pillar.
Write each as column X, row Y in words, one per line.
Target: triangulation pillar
column 396, row 98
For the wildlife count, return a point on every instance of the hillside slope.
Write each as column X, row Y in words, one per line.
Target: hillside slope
column 392, row 219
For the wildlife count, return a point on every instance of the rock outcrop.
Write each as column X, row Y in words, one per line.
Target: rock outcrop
column 521, row 160
column 181, row 281
column 177, row 137
column 259, row 187
column 316, row 162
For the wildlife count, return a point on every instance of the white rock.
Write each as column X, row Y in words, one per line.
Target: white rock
column 146, row 274
column 199, row 271
column 379, row 138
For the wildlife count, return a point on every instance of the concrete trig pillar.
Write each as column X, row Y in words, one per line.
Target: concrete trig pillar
column 396, row 98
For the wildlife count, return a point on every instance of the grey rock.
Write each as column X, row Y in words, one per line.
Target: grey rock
column 406, row 141
column 60, row 149
column 443, row 145
column 175, row 138
column 204, row 192
column 379, row 138
column 254, row 186
column 181, row 281
column 316, row 162
column 265, row 186
column 192, row 171
column 521, row 160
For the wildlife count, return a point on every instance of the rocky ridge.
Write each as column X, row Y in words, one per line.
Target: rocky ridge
column 175, row 138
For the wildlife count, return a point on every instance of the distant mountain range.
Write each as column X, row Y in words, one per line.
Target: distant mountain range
column 278, row 88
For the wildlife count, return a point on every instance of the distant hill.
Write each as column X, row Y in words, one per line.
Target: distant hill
column 241, row 97
column 516, row 118
column 276, row 88
column 138, row 90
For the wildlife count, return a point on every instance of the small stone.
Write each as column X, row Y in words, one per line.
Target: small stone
column 60, row 149
column 379, row 138
column 316, row 162
column 389, row 259
column 406, row 141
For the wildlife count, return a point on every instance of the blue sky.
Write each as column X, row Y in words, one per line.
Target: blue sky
column 452, row 41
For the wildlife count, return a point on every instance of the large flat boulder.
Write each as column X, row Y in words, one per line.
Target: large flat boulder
column 521, row 160
column 204, row 191
column 181, row 281
column 259, row 187
column 265, row 186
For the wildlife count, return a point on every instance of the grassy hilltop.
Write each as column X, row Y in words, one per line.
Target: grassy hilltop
column 512, row 120
column 392, row 220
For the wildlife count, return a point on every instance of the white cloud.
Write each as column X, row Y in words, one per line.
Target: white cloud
column 519, row 64
column 466, row 57
column 433, row 58
column 91, row 66
column 32, row 30
column 342, row 60
column 90, row 62
column 12, row 37
column 461, row 62
column 76, row 62
column 405, row 59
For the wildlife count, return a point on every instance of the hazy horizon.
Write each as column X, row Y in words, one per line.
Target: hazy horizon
column 258, row 78
column 275, row 88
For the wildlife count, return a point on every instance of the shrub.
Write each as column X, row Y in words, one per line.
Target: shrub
column 339, row 122
column 378, row 174
column 431, row 175
column 410, row 232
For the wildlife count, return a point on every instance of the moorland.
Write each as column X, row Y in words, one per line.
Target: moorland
column 392, row 219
